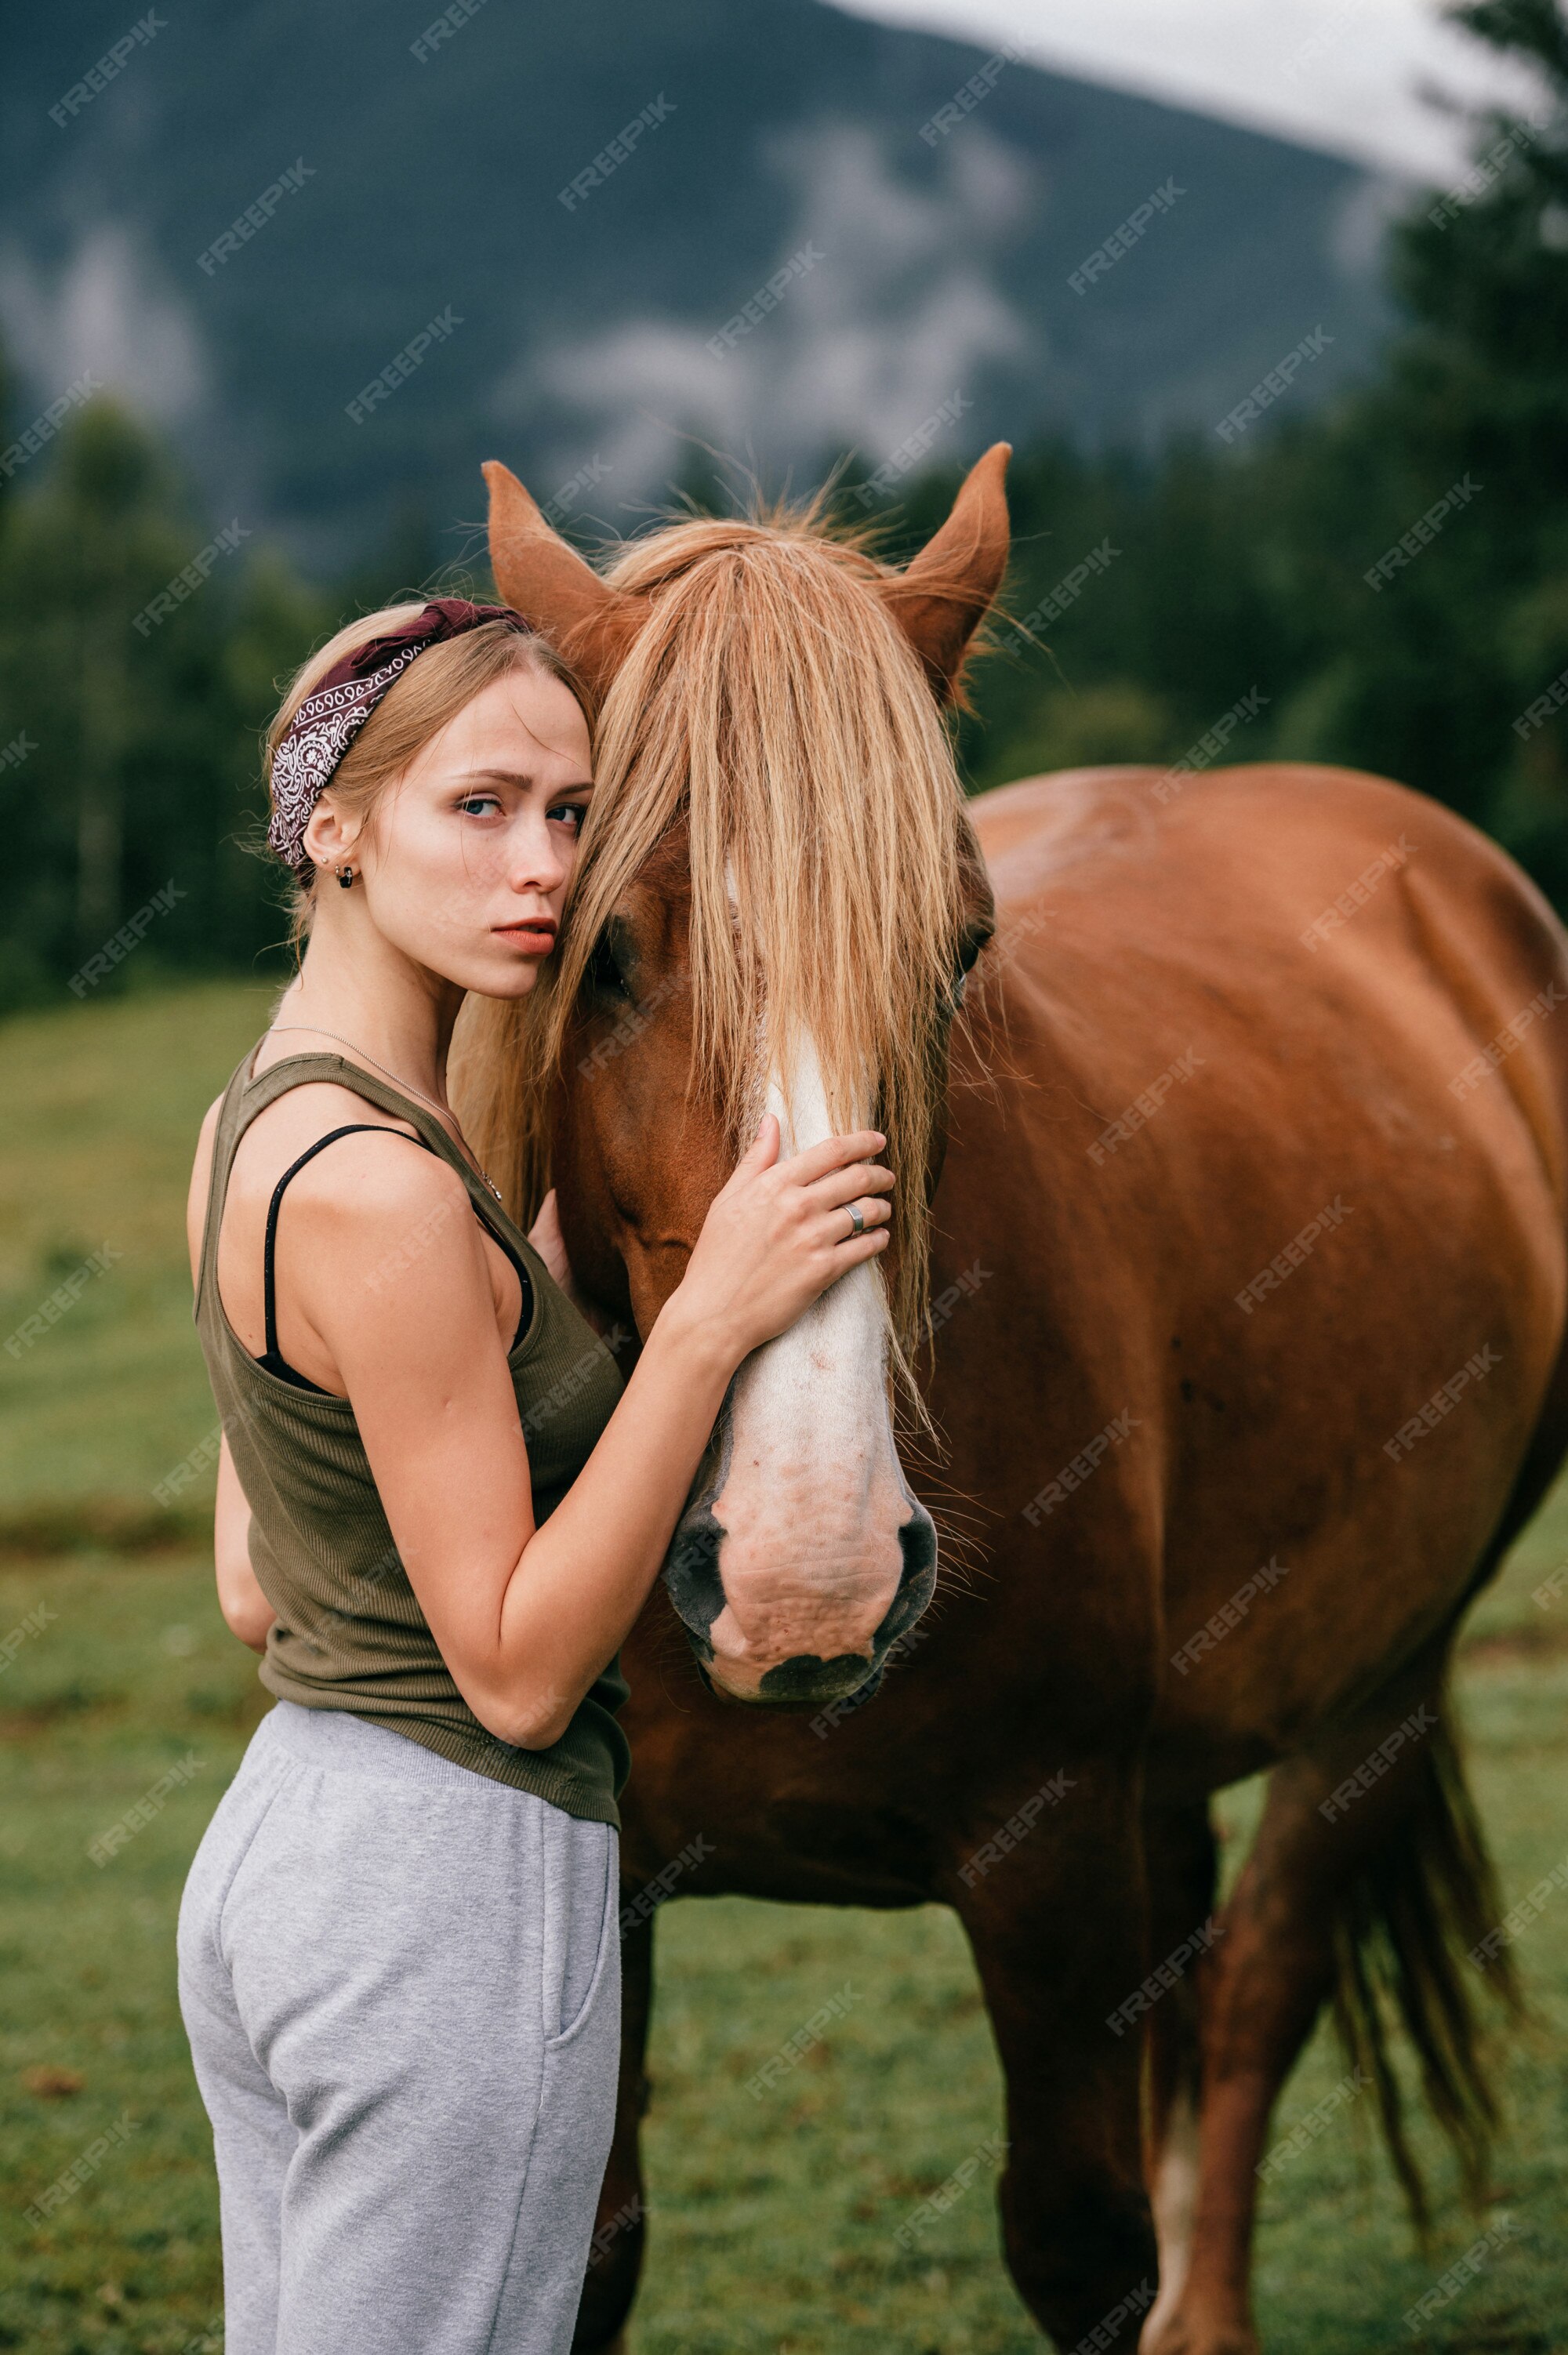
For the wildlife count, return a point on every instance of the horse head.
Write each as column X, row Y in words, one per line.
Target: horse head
column 777, row 898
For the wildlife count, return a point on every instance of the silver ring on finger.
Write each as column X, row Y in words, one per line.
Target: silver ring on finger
column 856, row 1222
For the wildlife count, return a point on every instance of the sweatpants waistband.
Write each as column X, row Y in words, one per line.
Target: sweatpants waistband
column 338, row 1740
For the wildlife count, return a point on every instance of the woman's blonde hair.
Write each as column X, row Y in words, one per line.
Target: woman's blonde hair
column 415, row 708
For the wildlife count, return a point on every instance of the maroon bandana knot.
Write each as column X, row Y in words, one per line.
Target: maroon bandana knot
column 332, row 714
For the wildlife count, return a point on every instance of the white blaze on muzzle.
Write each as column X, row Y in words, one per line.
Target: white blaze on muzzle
column 809, row 1500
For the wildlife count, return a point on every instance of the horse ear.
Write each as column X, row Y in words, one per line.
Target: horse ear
column 546, row 581
column 940, row 600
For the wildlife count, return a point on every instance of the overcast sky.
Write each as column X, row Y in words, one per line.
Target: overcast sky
column 1344, row 75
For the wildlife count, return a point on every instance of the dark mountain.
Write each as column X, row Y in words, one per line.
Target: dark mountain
column 577, row 339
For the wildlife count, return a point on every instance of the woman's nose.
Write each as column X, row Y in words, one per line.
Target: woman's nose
column 538, row 864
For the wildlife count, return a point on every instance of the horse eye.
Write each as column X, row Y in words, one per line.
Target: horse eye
column 969, row 948
column 604, row 975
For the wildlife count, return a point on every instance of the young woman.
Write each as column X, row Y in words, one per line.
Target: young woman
column 399, row 1943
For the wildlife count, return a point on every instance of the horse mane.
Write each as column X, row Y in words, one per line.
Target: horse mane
column 772, row 705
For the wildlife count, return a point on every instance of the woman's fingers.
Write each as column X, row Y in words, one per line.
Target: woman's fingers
column 873, row 1213
column 859, row 1247
column 847, row 1185
column 763, row 1150
column 549, row 1242
column 778, row 1234
column 871, row 1207
column 833, row 1153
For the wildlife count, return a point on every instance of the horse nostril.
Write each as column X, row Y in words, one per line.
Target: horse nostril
column 918, row 1539
column 692, row 1576
column 917, row 1542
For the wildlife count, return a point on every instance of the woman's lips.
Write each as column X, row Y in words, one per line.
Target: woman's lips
column 537, row 939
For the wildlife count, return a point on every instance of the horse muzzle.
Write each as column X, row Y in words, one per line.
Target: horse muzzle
column 805, row 1627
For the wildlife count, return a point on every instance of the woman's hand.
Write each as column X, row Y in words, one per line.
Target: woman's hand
column 245, row 1608
column 550, row 1244
column 780, row 1234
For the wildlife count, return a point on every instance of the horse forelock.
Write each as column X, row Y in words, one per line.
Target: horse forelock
column 772, row 710
column 774, row 703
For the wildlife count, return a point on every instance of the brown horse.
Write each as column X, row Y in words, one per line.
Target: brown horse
column 1244, row 1181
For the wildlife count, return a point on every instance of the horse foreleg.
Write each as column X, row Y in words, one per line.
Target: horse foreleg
column 1058, row 1933
column 616, row 2251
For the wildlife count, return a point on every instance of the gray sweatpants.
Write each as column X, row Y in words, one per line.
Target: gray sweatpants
column 401, row 1986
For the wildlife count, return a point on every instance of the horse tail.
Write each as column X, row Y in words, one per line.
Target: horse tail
column 1412, row 1946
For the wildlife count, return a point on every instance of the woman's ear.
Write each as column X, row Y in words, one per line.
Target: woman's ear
column 330, row 838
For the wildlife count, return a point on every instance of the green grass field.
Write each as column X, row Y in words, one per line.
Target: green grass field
column 775, row 2224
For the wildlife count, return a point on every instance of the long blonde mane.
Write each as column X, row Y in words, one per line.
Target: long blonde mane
column 771, row 702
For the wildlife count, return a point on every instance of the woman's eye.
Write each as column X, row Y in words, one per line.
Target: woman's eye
column 572, row 813
column 478, row 804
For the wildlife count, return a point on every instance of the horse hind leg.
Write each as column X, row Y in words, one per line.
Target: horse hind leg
column 1382, row 1896
column 1183, row 1871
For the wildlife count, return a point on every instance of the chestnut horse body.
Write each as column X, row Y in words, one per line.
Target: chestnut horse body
column 1248, row 1272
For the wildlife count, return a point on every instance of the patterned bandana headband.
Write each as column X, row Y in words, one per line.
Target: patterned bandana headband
column 332, row 714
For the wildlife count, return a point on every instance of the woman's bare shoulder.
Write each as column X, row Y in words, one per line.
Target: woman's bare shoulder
column 392, row 1173
column 366, row 1175
column 201, row 1175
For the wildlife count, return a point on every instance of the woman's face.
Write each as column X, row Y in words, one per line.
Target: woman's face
column 465, row 860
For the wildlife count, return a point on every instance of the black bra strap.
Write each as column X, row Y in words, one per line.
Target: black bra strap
column 273, row 1361
column 269, row 1285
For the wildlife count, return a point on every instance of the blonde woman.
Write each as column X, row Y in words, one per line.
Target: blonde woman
column 399, row 1943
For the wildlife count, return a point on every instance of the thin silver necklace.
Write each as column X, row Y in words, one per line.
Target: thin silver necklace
column 311, row 1030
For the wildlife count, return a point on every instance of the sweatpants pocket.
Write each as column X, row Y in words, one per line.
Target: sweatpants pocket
column 584, row 1881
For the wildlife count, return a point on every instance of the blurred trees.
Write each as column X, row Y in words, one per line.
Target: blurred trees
column 1150, row 594
column 128, row 728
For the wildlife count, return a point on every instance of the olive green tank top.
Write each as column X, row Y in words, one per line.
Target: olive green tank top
column 349, row 1633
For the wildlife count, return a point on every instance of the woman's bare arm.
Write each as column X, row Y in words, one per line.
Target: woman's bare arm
column 239, row 1598
column 527, row 1618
